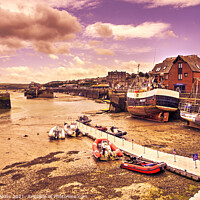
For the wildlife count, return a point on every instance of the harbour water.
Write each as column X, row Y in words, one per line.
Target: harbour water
column 37, row 166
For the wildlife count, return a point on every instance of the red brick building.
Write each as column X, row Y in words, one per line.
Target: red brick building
column 179, row 73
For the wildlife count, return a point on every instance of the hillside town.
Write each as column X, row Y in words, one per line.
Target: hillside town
column 176, row 73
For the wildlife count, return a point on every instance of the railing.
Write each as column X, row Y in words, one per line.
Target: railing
column 180, row 164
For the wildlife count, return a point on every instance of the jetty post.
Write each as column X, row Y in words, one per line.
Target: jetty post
column 182, row 165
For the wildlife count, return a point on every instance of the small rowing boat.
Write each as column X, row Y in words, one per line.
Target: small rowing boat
column 116, row 132
column 84, row 119
column 143, row 166
column 56, row 133
column 72, row 130
column 103, row 149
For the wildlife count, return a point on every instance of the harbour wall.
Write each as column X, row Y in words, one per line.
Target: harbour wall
column 118, row 98
column 5, row 101
column 90, row 93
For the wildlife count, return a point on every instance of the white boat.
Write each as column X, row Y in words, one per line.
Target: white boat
column 151, row 101
column 72, row 130
column 57, row 132
column 190, row 110
column 191, row 115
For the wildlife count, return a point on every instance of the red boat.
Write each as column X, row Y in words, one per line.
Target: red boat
column 144, row 167
column 101, row 128
column 103, row 149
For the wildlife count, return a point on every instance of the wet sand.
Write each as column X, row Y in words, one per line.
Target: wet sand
column 33, row 165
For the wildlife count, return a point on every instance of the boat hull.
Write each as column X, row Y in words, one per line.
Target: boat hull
column 72, row 130
column 193, row 119
column 155, row 104
column 114, row 155
column 146, row 169
column 56, row 133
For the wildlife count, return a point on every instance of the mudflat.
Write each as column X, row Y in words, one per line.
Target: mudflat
column 32, row 166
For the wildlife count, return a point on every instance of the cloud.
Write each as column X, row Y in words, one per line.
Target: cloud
column 78, row 61
column 70, row 71
column 131, row 50
column 54, row 57
column 105, row 52
column 95, row 43
column 19, row 6
column 50, row 48
column 80, row 4
column 132, row 66
column 174, row 3
column 20, row 69
column 118, row 32
column 42, row 27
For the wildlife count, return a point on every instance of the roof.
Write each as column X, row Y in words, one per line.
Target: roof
column 100, row 85
column 192, row 60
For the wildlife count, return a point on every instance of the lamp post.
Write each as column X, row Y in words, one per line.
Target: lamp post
column 132, row 144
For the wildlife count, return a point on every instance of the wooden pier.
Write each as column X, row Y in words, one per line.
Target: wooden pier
column 181, row 165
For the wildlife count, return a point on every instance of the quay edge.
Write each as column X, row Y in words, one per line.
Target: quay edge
column 5, row 101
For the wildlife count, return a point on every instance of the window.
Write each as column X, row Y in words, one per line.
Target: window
column 180, row 66
column 185, row 74
column 164, row 67
column 180, row 76
column 158, row 69
column 166, row 77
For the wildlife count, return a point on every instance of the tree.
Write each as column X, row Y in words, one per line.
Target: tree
column 141, row 74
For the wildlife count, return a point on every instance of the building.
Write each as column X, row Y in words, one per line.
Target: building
column 179, row 73
column 115, row 78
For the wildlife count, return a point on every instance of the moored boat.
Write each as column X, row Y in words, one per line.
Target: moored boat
column 116, row 132
column 103, row 149
column 144, row 167
column 190, row 108
column 151, row 100
column 56, row 133
column 84, row 119
column 72, row 130
column 191, row 113
column 101, row 128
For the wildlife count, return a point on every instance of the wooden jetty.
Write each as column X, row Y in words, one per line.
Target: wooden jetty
column 181, row 165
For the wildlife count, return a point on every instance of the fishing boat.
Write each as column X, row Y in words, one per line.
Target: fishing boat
column 56, row 133
column 143, row 166
column 150, row 100
column 190, row 109
column 72, row 130
column 116, row 132
column 191, row 113
column 84, row 119
column 103, row 149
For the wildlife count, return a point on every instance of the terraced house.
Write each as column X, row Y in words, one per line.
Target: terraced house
column 179, row 73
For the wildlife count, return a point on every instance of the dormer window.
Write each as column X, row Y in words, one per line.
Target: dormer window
column 164, row 67
column 158, row 69
column 197, row 66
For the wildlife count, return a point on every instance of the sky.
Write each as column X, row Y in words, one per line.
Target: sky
column 58, row 40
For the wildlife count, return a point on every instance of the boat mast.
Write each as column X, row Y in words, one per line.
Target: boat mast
column 138, row 68
column 196, row 90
